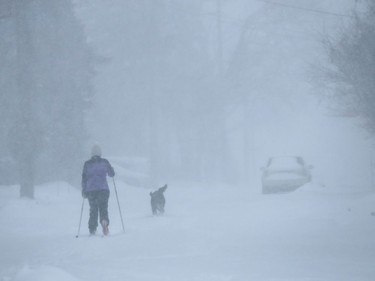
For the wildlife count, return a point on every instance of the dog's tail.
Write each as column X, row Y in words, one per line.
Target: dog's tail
column 163, row 188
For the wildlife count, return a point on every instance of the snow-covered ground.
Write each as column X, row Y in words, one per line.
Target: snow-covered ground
column 209, row 233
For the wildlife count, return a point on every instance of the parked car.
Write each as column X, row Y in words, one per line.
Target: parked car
column 132, row 170
column 285, row 173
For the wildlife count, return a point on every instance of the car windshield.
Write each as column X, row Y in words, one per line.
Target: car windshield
column 285, row 163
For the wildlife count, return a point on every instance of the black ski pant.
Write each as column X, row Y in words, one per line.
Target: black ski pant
column 98, row 201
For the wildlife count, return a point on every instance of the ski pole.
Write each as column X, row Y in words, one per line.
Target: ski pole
column 80, row 218
column 118, row 203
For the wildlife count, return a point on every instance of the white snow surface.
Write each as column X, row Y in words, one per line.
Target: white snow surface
column 208, row 233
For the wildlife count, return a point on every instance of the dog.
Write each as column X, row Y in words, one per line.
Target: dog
column 158, row 200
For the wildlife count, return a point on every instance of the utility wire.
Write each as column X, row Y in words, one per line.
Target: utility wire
column 306, row 9
column 241, row 21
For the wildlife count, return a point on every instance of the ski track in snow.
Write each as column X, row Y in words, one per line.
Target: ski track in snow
column 208, row 233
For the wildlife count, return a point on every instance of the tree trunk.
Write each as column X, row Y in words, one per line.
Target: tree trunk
column 27, row 178
column 24, row 136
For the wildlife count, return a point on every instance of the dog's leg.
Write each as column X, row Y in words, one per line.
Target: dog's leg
column 153, row 207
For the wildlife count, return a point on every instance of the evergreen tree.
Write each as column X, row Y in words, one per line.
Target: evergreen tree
column 50, row 89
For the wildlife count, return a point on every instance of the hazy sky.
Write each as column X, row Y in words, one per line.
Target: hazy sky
column 287, row 115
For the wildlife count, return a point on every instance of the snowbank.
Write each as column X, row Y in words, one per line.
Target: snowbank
column 43, row 273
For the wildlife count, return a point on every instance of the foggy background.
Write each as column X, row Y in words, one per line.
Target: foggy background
column 196, row 94
column 178, row 90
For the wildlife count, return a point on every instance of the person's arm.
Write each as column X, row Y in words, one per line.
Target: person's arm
column 84, row 181
column 110, row 170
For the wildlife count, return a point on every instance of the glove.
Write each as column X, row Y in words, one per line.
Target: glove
column 84, row 194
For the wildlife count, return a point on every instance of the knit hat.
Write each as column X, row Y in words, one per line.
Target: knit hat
column 96, row 150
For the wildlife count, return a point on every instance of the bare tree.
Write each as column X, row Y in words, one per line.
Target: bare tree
column 351, row 70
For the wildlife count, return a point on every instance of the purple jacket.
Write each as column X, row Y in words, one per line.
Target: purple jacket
column 94, row 175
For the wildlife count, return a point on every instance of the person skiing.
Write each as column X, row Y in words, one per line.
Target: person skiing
column 95, row 189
